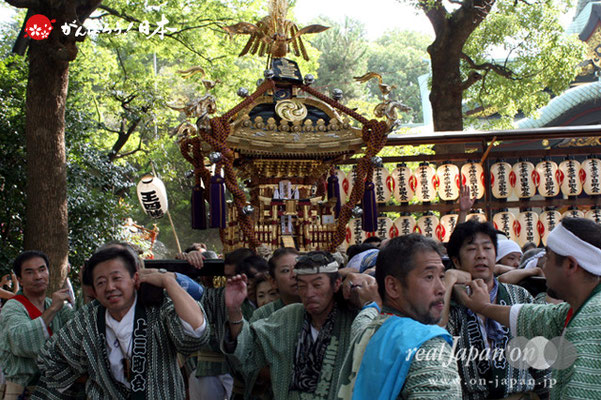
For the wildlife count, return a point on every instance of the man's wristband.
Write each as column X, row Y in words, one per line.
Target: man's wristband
column 236, row 322
column 371, row 304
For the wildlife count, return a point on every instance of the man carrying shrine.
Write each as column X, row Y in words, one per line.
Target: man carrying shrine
column 573, row 272
column 303, row 344
column 27, row 321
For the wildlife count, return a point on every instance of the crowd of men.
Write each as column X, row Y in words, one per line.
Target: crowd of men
column 404, row 318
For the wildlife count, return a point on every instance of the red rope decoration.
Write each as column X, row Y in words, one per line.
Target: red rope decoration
column 191, row 150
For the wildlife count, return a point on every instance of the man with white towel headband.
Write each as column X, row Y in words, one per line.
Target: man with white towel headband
column 573, row 272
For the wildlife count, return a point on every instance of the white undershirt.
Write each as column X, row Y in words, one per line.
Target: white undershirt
column 314, row 333
column 119, row 339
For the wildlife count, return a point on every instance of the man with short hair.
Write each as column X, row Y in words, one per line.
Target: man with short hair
column 27, row 321
column 573, row 272
column 127, row 349
column 472, row 249
column 386, row 359
column 303, row 344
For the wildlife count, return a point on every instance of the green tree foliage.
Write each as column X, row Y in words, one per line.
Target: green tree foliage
column 400, row 57
column 539, row 61
column 343, row 50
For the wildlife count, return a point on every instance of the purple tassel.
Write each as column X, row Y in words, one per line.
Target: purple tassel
column 370, row 210
column 198, row 208
column 217, row 201
column 334, row 191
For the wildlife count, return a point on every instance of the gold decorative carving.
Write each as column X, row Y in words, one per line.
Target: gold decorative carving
column 581, row 142
column 291, row 110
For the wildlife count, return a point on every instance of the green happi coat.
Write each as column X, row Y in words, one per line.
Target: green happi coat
column 581, row 380
column 477, row 384
column 22, row 339
column 266, row 310
column 210, row 359
column 428, row 378
column 272, row 341
column 79, row 349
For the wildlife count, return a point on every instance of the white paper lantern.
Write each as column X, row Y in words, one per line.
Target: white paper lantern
column 500, row 179
column 594, row 214
column 381, row 180
column 570, row 177
column 446, row 226
column 354, row 232
column 448, row 178
column 526, row 228
column 427, row 225
column 153, row 196
column 425, row 177
column 548, row 184
column 472, row 175
column 573, row 212
column 591, row 170
column 478, row 215
column 385, row 224
column 525, row 178
column 547, row 221
column 404, row 183
column 503, row 221
column 405, row 225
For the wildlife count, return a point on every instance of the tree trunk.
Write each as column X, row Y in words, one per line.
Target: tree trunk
column 446, row 94
column 46, row 227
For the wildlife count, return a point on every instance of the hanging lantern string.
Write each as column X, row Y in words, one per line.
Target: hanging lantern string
column 179, row 247
column 220, row 130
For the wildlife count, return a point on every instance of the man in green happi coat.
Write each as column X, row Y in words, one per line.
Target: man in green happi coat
column 573, row 328
column 303, row 344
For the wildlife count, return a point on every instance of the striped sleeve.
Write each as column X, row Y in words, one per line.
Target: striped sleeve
column 434, row 376
column 25, row 336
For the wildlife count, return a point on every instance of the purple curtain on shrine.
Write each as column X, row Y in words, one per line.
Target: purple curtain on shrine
column 334, row 191
column 198, row 208
column 217, row 201
column 370, row 209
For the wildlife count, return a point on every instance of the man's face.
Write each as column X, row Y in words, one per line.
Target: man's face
column 552, row 270
column 477, row 256
column 34, row 276
column 114, row 287
column 511, row 259
column 317, row 293
column 284, row 275
column 422, row 296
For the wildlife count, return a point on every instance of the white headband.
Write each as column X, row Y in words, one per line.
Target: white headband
column 533, row 261
column 565, row 243
column 321, row 269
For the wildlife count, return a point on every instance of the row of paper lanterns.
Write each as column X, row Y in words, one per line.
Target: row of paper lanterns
column 522, row 179
column 527, row 226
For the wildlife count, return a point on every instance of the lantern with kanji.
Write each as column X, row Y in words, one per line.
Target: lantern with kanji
column 427, row 224
column 573, row 212
column 446, row 226
column 354, row 232
column 504, row 221
column 549, row 174
column 478, row 215
column 350, row 179
column 526, row 227
column 385, row 225
column 426, row 181
column 594, row 214
column 448, row 178
column 404, row 183
column 153, row 196
column 526, row 179
column 591, row 170
column 405, row 224
column 500, row 179
column 547, row 221
column 570, row 177
column 472, row 175
column 381, row 180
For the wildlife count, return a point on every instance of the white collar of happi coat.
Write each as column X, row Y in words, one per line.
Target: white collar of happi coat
column 123, row 330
